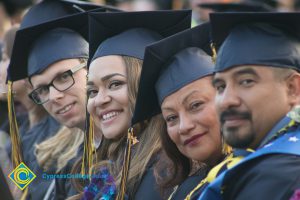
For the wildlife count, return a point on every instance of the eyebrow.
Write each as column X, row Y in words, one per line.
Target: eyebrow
column 189, row 95
column 54, row 77
column 107, row 77
column 245, row 71
column 184, row 100
column 237, row 73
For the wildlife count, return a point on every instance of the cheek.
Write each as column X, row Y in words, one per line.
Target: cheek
column 122, row 97
column 209, row 117
column 210, row 120
column 173, row 134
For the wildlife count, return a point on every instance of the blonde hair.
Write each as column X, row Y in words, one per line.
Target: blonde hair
column 59, row 149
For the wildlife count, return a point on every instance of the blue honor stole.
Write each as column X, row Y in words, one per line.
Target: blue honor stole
column 288, row 143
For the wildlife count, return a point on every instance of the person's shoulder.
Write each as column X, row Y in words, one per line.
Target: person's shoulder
column 266, row 164
column 273, row 176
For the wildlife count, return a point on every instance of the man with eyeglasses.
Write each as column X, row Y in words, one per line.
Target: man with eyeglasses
column 53, row 54
column 52, row 49
column 64, row 97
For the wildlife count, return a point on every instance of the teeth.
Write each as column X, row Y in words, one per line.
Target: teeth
column 65, row 109
column 109, row 115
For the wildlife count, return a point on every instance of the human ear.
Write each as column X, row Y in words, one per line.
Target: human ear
column 293, row 87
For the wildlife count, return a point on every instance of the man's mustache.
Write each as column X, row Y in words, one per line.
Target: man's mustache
column 229, row 113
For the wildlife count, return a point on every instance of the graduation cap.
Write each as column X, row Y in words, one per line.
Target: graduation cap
column 243, row 6
column 169, row 65
column 32, row 43
column 128, row 33
column 268, row 39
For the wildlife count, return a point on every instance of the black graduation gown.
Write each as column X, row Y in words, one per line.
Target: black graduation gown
column 63, row 186
column 148, row 189
column 39, row 133
column 274, row 177
column 188, row 185
column 4, row 114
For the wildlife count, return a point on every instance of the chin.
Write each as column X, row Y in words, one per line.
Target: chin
column 74, row 123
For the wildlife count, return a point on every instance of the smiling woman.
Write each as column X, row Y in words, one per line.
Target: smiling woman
column 116, row 56
column 110, row 108
column 176, row 80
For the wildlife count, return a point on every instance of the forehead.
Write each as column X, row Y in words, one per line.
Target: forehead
column 199, row 88
column 106, row 65
column 261, row 71
column 52, row 70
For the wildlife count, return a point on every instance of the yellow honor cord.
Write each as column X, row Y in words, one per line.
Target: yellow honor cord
column 131, row 140
column 88, row 150
column 229, row 162
column 188, row 197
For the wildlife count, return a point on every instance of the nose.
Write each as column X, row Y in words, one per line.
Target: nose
column 54, row 94
column 186, row 124
column 102, row 98
column 227, row 99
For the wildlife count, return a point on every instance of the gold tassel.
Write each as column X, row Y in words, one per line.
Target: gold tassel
column 131, row 140
column 92, row 146
column 13, row 128
column 214, row 53
column 24, row 195
column 226, row 149
column 88, row 149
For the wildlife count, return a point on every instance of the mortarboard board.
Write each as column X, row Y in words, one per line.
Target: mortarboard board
column 243, row 6
column 129, row 33
column 268, row 39
column 169, row 65
column 40, row 19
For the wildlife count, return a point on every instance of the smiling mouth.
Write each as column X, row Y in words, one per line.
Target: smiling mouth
column 193, row 138
column 65, row 109
column 109, row 115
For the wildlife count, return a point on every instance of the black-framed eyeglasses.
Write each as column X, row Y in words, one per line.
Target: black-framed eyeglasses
column 61, row 82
